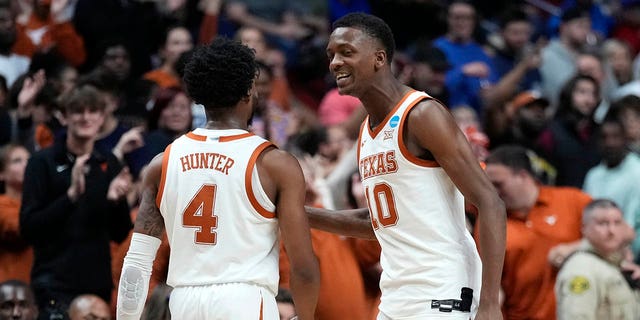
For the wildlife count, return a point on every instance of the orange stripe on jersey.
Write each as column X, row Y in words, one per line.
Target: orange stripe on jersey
column 261, row 306
column 235, row 137
column 196, row 137
column 163, row 175
column 403, row 148
column 381, row 125
column 249, row 185
column 359, row 145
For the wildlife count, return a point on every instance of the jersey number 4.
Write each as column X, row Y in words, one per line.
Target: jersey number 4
column 385, row 206
column 199, row 215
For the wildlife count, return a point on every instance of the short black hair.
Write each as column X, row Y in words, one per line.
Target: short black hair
column 513, row 156
column 220, row 74
column 372, row 26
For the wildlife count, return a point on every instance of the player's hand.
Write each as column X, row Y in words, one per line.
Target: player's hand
column 78, row 173
column 489, row 312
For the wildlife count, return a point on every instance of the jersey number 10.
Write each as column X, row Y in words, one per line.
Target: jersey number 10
column 385, row 206
column 199, row 215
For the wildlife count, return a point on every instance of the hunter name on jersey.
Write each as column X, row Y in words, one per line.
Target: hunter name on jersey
column 378, row 164
column 207, row 160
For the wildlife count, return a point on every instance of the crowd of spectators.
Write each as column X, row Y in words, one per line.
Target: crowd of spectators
column 547, row 93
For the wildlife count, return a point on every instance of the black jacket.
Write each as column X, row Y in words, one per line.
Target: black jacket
column 71, row 240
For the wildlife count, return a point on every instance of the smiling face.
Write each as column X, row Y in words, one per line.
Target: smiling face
column 354, row 58
column 84, row 123
column 176, row 116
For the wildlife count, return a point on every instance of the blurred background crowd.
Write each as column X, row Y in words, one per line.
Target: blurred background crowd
column 547, row 92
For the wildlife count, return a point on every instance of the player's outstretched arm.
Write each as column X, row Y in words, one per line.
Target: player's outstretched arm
column 285, row 172
column 136, row 270
column 432, row 127
column 351, row 223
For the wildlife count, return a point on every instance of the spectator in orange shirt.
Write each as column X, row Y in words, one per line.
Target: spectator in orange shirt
column 543, row 228
column 49, row 27
column 177, row 41
column 15, row 256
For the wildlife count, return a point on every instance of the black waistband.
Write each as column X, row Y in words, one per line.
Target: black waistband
column 448, row 305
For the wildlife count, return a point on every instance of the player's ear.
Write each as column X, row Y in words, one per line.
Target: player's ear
column 381, row 59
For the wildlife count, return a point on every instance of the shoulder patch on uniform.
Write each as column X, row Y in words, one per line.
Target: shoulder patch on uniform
column 579, row 284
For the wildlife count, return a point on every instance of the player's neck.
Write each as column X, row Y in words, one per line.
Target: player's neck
column 382, row 97
column 224, row 124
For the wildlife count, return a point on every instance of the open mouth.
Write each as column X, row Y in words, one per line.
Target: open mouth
column 341, row 78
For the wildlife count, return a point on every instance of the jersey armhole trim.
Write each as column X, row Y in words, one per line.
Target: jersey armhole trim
column 249, row 184
column 402, row 146
column 163, row 175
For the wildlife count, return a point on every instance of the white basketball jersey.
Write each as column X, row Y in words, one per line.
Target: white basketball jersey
column 220, row 223
column 418, row 217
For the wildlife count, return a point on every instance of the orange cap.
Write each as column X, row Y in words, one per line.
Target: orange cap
column 527, row 97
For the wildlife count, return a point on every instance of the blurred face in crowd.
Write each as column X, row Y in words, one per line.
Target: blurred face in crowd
column 511, row 185
column 612, row 143
column 605, row 230
column 7, row 31
column 263, row 88
column 619, row 58
column 428, row 79
column 89, row 307
column 591, row 66
column 178, row 41
column 461, row 20
column 516, row 34
column 84, row 123
column 576, row 31
column 585, row 97
column 465, row 117
column 531, row 118
column 14, row 164
column 116, row 60
column 17, row 303
column 253, row 39
column 631, row 121
column 68, row 79
column 176, row 117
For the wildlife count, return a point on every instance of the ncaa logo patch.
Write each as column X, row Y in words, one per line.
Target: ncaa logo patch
column 394, row 121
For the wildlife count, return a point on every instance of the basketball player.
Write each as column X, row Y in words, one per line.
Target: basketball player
column 417, row 168
column 222, row 193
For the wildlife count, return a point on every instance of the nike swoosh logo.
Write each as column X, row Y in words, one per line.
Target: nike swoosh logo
column 61, row 168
